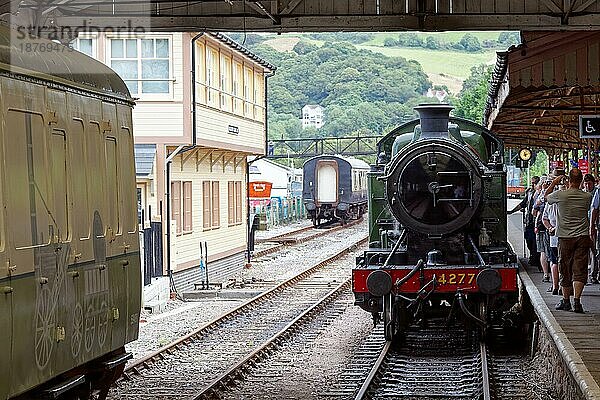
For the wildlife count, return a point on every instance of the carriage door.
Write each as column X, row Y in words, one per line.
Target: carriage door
column 327, row 182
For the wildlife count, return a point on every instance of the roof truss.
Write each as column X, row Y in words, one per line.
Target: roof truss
column 310, row 15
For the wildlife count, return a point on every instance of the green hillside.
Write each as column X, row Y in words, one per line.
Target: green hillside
column 448, row 37
column 446, row 62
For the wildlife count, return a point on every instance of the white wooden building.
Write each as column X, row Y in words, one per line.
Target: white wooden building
column 202, row 106
column 280, row 176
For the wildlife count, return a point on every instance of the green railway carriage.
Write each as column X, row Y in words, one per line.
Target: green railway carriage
column 70, row 281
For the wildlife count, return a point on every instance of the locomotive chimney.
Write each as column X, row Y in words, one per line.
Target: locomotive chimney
column 434, row 120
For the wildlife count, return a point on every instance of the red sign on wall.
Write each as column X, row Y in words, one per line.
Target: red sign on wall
column 584, row 166
column 259, row 190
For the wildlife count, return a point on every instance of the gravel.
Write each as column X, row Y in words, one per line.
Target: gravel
column 292, row 260
column 280, row 230
column 181, row 318
column 306, row 366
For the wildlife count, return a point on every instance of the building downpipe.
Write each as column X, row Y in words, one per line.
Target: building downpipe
column 168, row 161
column 250, row 223
column 193, row 45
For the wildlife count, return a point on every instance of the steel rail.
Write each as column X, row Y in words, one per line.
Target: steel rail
column 218, row 384
column 158, row 354
column 283, row 235
column 485, row 374
column 280, row 246
column 365, row 386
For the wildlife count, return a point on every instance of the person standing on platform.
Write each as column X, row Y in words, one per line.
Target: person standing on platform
column 529, row 232
column 542, row 237
column 589, row 185
column 574, row 241
column 550, row 220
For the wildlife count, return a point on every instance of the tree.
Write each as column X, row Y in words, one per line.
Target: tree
column 508, row 39
column 470, row 43
column 473, row 96
column 304, row 47
column 432, row 43
column 361, row 91
column 390, row 42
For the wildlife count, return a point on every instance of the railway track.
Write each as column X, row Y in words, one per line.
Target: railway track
column 304, row 234
column 203, row 362
column 437, row 362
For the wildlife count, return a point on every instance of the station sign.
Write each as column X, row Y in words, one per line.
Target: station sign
column 259, row 190
column 589, row 126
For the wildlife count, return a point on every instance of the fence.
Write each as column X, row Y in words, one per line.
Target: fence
column 278, row 211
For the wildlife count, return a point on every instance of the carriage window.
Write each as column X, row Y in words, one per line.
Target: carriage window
column 58, row 152
column 96, row 182
column 112, row 178
column 79, row 178
column 28, row 201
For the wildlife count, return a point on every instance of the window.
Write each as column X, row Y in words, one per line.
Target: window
column 248, row 92
column 210, row 205
column 206, row 200
column 234, row 197
column 225, row 85
column 235, row 90
column 79, row 177
column 58, row 152
column 238, row 202
column 200, row 77
column 216, row 220
column 181, row 206
column 25, row 152
column 143, row 64
column 211, row 76
column 84, row 45
column 112, row 179
column 176, row 205
column 187, row 206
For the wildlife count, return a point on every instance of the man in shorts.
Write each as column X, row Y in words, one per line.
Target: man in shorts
column 574, row 241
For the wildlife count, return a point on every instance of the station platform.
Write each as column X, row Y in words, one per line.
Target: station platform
column 576, row 336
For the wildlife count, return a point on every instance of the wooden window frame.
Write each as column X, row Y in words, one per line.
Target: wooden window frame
column 187, row 207
column 176, row 210
column 215, row 205
column 231, row 203
column 234, row 203
column 206, row 205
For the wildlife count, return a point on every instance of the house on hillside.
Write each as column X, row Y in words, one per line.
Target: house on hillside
column 200, row 114
column 439, row 94
column 312, row 115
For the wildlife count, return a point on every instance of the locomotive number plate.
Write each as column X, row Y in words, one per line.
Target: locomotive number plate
column 455, row 279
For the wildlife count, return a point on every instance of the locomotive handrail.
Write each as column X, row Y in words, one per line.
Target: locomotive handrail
column 395, row 248
column 479, row 256
column 404, row 279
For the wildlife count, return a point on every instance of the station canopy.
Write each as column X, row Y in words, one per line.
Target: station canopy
column 541, row 87
column 304, row 15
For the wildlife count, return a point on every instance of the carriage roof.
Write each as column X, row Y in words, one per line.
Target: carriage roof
column 43, row 59
column 355, row 163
